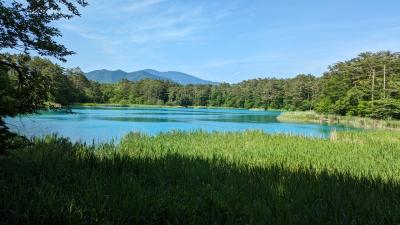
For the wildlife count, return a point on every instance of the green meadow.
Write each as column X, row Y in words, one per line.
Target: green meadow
column 205, row 178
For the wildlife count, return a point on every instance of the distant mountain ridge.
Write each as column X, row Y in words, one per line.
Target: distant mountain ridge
column 109, row 76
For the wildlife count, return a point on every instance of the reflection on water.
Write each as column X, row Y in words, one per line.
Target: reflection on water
column 244, row 119
column 137, row 119
column 102, row 124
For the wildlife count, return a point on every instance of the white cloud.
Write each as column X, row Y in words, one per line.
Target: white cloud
column 187, row 21
column 140, row 5
column 236, row 74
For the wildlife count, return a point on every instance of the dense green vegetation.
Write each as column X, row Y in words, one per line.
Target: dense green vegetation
column 28, row 27
column 193, row 178
column 205, row 178
column 353, row 121
column 366, row 86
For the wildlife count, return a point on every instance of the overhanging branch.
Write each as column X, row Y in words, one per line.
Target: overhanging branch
column 17, row 68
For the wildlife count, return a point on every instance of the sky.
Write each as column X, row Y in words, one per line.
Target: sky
column 229, row 41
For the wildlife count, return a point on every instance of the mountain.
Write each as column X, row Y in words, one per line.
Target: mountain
column 108, row 76
column 179, row 77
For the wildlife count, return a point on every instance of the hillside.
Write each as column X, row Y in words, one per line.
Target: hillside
column 179, row 77
column 108, row 76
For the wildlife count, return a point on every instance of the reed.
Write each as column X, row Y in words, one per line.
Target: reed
column 358, row 122
column 205, row 178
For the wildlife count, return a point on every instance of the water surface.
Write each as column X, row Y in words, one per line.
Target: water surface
column 102, row 124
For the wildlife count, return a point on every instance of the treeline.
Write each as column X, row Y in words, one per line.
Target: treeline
column 368, row 85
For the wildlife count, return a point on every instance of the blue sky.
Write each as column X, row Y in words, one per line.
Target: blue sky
column 229, row 40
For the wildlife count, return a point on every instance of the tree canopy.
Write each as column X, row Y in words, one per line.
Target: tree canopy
column 27, row 27
column 368, row 85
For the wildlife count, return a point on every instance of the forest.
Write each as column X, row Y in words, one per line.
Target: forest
column 366, row 86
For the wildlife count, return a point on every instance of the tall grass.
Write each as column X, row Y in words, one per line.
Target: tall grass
column 354, row 121
column 205, row 178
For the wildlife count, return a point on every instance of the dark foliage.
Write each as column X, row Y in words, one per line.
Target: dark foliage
column 57, row 183
column 27, row 26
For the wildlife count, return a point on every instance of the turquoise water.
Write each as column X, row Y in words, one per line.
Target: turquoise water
column 102, row 124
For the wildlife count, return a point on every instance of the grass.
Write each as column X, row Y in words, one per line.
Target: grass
column 205, row 178
column 354, row 121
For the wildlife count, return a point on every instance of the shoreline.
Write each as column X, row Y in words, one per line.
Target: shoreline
column 164, row 106
column 352, row 121
column 285, row 116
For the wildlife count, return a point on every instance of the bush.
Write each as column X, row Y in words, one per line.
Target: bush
column 9, row 140
column 385, row 109
column 324, row 106
column 363, row 109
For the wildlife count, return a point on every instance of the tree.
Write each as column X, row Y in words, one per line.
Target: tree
column 358, row 86
column 16, row 98
column 27, row 27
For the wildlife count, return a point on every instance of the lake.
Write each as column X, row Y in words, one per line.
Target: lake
column 102, row 124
